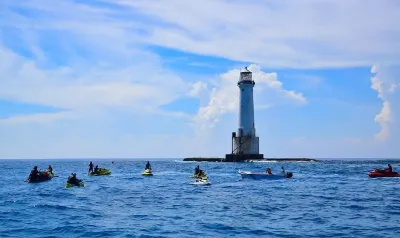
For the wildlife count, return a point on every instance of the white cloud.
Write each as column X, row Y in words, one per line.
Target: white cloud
column 317, row 34
column 385, row 85
column 224, row 98
column 383, row 118
column 199, row 89
column 139, row 87
column 277, row 34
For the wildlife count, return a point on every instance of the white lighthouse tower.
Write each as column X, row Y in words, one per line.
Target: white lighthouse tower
column 245, row 144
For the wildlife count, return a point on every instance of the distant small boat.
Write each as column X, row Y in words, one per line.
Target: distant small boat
column 248, row 174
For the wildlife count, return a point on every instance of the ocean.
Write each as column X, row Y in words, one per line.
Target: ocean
column 323, row 199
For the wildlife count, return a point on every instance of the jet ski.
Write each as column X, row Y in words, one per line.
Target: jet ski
column 100, row 172
column 202, row 182
column 195, row 175
column 256, row 176
column 42, row 176
column 147, row 172
column 80, row 184
column 380, row 173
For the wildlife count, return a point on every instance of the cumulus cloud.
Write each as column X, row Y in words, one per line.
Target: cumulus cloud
column 385, row 86
column 224, row 97
column 199, row 89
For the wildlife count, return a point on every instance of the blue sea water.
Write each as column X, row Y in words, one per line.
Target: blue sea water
column 323, row 199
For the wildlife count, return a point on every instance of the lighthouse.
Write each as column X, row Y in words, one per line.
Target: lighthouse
column 245, row 143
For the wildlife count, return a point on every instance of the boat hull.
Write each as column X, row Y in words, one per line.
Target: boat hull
column 381, row 174
column 101, row 172
column 202, row 182
column 44, row 176
column 70, row 185
column 258, row 176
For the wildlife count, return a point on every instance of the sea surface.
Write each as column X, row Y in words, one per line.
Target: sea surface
column 323, row 199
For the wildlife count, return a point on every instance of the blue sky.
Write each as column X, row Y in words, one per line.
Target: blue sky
column 143, row 79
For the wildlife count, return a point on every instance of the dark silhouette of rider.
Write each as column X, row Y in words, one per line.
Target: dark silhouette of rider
column 34, row 173
column 73, row 180
column 148, row 165
column 389, row 169
column 90, row 167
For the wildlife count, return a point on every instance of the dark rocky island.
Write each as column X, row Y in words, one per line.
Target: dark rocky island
column 214, row 159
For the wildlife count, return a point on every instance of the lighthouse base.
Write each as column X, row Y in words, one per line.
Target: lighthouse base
column 242, row 157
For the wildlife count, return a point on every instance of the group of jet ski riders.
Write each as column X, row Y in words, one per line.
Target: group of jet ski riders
column 35, row 175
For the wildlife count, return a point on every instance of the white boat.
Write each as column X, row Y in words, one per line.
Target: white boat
column 248, row 174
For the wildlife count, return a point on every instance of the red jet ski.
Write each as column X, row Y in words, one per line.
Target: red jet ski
column 378, row 173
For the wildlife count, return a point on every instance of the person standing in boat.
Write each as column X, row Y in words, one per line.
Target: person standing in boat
column 90, row 167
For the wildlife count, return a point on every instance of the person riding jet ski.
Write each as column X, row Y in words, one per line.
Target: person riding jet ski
column 34, row 175
column 197, row 170
column 268, row 171
column 73, row 180
column 202, row 175
column 50, row 169
column 389, row 169
column 148, row 165
column 90, row 167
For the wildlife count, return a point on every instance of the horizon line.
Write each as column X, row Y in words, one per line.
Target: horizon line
column 181, row 158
